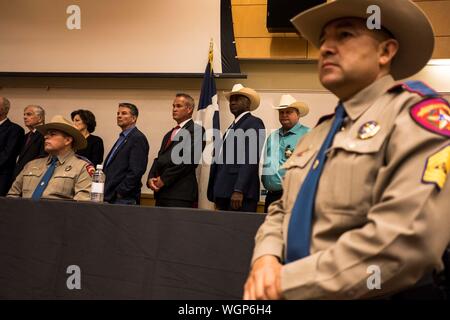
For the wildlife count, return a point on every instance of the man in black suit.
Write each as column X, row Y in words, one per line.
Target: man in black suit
column 234, row 179
column 127, row 161
column 33, row 146
column 11, row 138
column 172, row 176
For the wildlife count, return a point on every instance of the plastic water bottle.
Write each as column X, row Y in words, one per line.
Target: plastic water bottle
column 98, row 184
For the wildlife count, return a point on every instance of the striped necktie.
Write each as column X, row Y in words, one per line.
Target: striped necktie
column 37, row 193
column 300, row 224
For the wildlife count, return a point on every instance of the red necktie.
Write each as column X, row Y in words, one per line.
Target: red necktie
column 172, row 135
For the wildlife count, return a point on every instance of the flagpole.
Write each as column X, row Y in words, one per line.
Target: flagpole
column 208, row 117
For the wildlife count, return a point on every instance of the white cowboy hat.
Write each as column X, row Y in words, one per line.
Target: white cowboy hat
column 406, row 21
column 288, row 101
column 239, row 89
column 62, row 124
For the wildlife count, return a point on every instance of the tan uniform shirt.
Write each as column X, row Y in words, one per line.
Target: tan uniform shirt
column 70, row 180
column 372, row 207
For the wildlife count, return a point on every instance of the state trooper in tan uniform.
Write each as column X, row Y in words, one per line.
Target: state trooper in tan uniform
column 72, row 175
column 382, row 202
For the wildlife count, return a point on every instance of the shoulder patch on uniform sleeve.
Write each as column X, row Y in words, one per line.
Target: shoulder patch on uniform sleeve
column 420, row 88
column 437, row 167
column 433, row 115
column 83, row 158
column 90, row 169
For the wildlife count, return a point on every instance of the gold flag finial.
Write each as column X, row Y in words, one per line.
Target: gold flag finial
column 211, row 50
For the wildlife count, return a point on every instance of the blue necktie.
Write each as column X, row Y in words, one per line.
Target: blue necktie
column 299, row 230
column 116, row 146
column 37, row 193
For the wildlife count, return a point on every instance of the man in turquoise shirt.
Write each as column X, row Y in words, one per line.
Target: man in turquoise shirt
column 280, row 145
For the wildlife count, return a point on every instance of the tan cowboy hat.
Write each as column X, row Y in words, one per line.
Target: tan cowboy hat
column 405, row 20
column 62, row 124
column 288, row 101
column 239, row 89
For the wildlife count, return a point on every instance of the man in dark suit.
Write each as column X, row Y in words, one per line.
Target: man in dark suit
column 172, row 176
column 11, row 138
column 127, row 161
column 234, row 179
column 33, row 146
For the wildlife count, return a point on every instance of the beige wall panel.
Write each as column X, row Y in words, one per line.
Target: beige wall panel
column 281, row 76
column 267, row 48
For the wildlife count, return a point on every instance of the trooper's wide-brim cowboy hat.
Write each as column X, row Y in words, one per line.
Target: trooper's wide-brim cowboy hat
column 239, row 89
column 406, row 21
column 288, row 101
column 62, row 124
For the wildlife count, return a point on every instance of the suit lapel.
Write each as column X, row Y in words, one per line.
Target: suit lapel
column 27, row 146
column 242, row 120
column 119, row 148
column 5, row 125
column 236, row 126
column 164, row 145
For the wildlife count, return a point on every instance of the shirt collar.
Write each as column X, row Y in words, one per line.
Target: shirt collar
column 362, row 100
column 61, row 158
column 294, row 130
column 239, row 117
column 127, row 131
column 1, row 122
column 182, row 124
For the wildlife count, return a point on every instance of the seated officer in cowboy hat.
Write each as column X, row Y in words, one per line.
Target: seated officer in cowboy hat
column 365, row 205
column 280, row 145
column 61, row 175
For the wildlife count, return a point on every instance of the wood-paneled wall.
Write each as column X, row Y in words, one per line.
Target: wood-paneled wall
column 437, row 11
column 253, row 41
